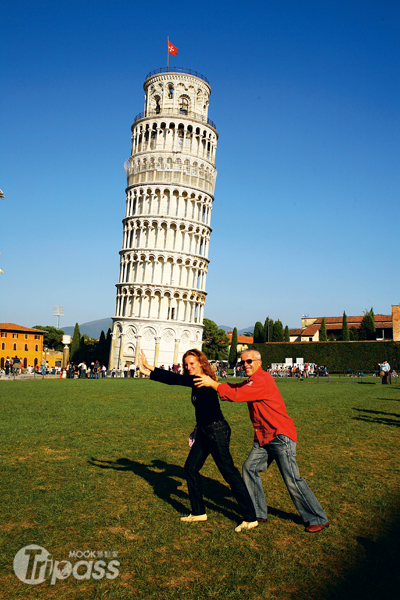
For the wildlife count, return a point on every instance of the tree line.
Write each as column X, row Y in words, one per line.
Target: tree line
column 216, row 342
column 271, row 331
column 367, row 330
column 82, row 348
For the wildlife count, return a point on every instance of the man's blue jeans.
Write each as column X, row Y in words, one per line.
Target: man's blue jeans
column 283, row 450
column 214, row 439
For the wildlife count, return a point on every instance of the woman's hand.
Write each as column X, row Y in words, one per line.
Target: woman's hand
column 205, row 381
column 143, row 365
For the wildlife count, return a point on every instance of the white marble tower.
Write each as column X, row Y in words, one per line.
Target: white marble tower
column 166, row 230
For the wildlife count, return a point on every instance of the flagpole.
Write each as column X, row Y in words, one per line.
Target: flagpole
column 168, row 53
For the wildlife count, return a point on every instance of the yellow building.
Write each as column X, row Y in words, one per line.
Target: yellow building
column 24, row 342
column 54, row 358
column 243, row 342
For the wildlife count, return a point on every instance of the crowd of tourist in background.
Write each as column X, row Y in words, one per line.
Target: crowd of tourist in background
column 13, row 366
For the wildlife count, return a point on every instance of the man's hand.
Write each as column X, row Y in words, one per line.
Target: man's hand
column 205, row 381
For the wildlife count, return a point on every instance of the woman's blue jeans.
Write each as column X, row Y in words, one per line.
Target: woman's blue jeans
column 283, row 450
column 214, row 439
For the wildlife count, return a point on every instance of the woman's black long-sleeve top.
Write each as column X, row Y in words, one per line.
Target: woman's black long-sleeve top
column 205, row 399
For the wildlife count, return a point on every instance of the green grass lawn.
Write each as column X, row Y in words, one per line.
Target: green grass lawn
column 97, row 465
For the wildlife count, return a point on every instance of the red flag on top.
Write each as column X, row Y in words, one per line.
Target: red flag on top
column 172, row 49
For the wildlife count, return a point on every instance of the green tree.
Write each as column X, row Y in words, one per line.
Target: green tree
column 108, row 347
column 103, row 349
column 215, row 341
column 277, row 334
column 323, row 335
column 258, row 333
column 367, row 329
column 287, row 334
column 268, row 329
column 232, row 358
column 52, row 338
column 75, row 344
column 82, row 353
column 345, row 329
column 353, row 334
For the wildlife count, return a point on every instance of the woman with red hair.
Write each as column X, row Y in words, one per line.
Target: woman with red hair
column 211, row 436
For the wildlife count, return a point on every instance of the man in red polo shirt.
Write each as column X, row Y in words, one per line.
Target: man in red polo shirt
column 274, row 439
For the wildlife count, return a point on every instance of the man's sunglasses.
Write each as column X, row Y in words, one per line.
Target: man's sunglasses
column 249, row 361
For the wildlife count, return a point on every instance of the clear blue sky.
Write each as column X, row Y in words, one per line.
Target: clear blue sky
column 305, row 97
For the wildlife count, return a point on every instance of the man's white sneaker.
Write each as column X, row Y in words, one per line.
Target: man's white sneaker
column 193, row 518
column 245, row 525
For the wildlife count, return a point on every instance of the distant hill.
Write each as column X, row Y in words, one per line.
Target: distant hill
column 226, row 328
column 240, row 331
column 93, row 328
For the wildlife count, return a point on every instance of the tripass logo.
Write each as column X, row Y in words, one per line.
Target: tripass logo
column 34, row 564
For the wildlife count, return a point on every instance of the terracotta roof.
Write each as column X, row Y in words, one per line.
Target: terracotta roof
column 338, row 326
column 295, row 331
column 311, row 330
column 353, row 320
column 14, row 327
column 242, row 339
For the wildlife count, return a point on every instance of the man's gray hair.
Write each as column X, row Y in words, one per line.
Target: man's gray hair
column 256, row 352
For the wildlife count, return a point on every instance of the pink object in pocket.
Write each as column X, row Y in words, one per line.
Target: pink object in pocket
column 192, row 437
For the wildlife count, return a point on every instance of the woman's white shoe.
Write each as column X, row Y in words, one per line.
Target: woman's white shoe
column 193, row 518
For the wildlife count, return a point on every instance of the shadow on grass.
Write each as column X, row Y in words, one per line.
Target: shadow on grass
column 377, row 575
column 373, row 416
column 389, row 399
column 163, row 476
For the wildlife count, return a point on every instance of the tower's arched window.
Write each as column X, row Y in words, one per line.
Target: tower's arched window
column 184, row 106
column 158, row 107
column 170, row 91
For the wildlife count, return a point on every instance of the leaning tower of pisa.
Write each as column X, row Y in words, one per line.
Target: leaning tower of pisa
column 166, row 230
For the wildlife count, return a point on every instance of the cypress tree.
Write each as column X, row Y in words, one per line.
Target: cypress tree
column 323, row 335
column 367, row 329
column 82, row 354
column 345, row 328
column 353, row 334
column 371, row 312
column 108, row 347
column 75, row 344
column 258, row 333
column 287, row 334
column 232, row 358
column 277, row 335
column 101, row 348
column 268, row 328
